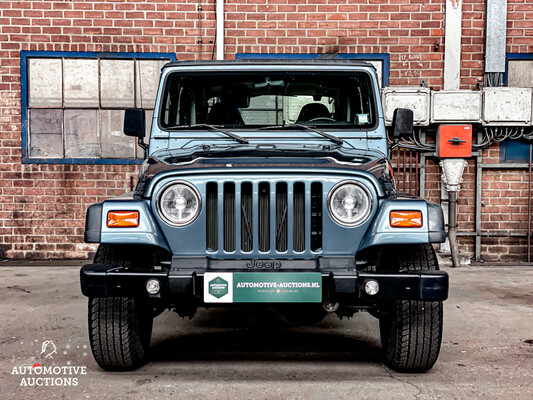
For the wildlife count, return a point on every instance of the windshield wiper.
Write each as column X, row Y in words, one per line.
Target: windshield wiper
column 333, row 138
column 238, row 138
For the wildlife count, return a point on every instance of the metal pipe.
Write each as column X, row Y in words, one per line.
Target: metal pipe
column 529, row 207
column 220, row 29
column 505, row 233
column 411, row 180
column 417, row 191
column 479, row 192
column 422, row 181
column 200, row 40
column 452, row 227
column 398, row 168
column 404, row 171
column 495, row 41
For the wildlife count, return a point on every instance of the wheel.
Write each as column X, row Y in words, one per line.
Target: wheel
column 120, row 328
column 411, row 331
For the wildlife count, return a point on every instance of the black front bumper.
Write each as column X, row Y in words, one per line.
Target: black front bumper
column 101, row 280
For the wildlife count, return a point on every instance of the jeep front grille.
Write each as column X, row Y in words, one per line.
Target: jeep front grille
column 211, row 212
column 246, row 216
column 263, row 217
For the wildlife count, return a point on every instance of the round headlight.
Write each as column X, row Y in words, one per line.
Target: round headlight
column 350, row 203
column 179, row 203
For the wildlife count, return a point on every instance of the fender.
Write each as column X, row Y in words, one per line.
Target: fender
column 381, row 233
column 147, row 233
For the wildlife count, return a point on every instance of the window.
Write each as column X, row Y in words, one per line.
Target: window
column 255, row 99
column 513, row 151
column 519, row 73
column 519, row 70
column 73, row 104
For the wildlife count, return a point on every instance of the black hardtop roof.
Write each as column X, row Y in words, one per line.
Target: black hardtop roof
column 270, row 62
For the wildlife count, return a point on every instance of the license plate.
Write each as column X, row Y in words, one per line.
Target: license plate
column 262, row 287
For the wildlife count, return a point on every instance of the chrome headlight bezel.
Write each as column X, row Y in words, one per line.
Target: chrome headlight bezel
column 168, row 219
column 363, row 217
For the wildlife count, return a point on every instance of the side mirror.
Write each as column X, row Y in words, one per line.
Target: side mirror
column 135, row 123
column 402, row 123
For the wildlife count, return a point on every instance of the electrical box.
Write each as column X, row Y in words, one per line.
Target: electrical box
column 454, row 141
column 412, row 97
column 507, row 106
column 455, row 106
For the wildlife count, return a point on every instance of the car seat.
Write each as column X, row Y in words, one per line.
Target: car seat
column 313, row 110
column 224, row 114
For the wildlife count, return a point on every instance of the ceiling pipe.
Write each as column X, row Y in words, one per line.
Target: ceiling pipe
column 220, row 29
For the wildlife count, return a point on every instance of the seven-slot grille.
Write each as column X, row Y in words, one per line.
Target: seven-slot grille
column 263, row 217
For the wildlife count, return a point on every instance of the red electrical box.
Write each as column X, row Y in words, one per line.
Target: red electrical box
column 454, row 141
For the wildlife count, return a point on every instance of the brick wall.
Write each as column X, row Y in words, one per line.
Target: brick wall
column 42, row 207
column 504, row 206
column 407, row 31
column 519, row 26
column 472, row 43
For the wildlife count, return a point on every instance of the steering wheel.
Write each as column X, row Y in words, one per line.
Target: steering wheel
column 323, row 119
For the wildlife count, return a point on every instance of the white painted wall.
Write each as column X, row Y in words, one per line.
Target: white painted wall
column 452, row 44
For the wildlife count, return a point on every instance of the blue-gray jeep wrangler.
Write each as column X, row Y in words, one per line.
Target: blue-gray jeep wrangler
column 266, row 183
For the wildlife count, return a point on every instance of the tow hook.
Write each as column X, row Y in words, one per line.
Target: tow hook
column 330, row 306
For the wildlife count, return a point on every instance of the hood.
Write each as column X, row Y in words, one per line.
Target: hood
column 246, row 158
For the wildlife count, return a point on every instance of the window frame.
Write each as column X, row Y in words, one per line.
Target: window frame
column 514, row 56
column 514, row 152
column 24, row 79
column 383, row 57
column 519, row 155
column 375, row 99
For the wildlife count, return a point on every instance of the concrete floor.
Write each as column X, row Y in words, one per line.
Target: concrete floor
column 487, row 350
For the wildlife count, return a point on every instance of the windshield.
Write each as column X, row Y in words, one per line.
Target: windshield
column 253, row 100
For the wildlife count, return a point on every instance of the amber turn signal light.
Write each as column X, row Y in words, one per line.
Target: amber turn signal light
column 405, row 219
column 123, row 219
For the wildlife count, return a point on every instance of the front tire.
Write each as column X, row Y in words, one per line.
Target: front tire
column 120, row 328
column 411, row 331
column 119, row 333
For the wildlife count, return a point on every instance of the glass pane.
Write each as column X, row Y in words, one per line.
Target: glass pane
column 45, row 82
column 117, row 83
column 46, row 138
column 114, row 143
column 81, row 134
column 148, row 72
column 520, row 73
column 81, row 82
column 336, row 100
